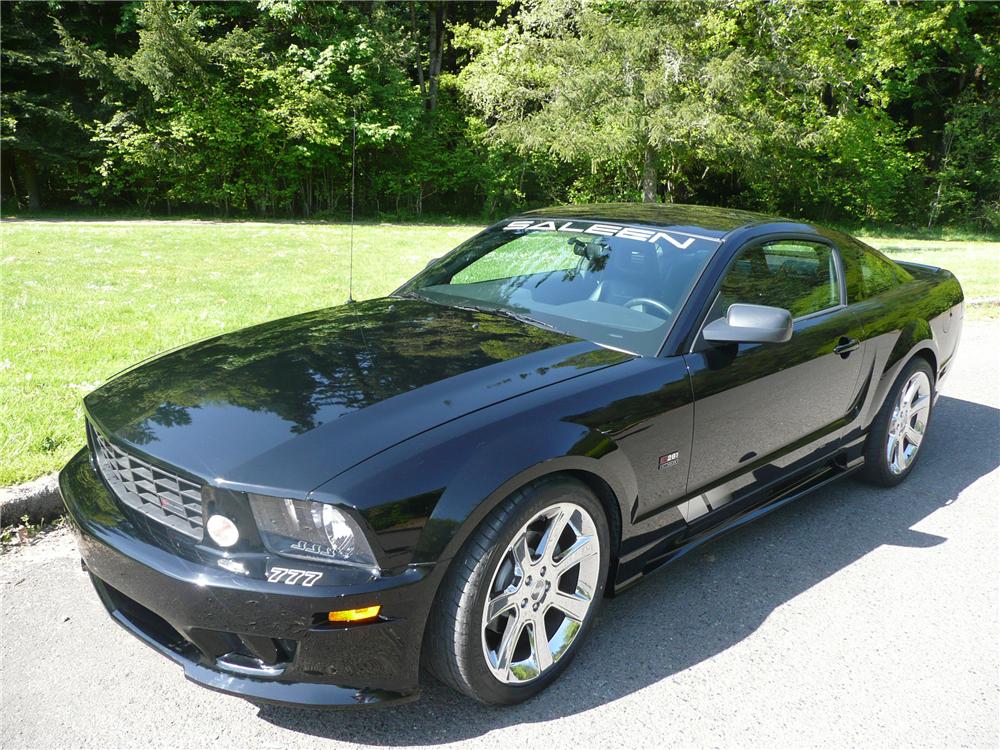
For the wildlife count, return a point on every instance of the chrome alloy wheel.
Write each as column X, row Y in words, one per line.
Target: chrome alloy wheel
column 541, row 593
column 908, row 422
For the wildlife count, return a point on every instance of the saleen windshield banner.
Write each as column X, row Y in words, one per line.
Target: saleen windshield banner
column 681, row 240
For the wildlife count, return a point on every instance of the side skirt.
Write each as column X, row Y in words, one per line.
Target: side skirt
column 666, row 552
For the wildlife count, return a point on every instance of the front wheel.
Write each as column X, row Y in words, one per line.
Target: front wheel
column 901, row 426
column 519, row 599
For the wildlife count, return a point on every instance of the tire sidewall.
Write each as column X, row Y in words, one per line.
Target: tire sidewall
column 487, row 687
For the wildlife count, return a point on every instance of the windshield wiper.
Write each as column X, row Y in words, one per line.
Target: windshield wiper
column 408, row 295
column 519, row 317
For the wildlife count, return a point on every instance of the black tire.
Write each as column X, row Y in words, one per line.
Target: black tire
column 877, row 466
column 453, row 645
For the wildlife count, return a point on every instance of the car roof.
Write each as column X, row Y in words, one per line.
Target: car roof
column 708, row 220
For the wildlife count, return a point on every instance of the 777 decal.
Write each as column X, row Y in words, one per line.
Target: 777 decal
column 293, row 577
column 608, row 230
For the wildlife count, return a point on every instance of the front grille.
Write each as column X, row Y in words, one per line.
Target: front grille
column 158, row 494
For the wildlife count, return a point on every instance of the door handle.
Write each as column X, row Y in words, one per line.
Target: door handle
column 845, row 346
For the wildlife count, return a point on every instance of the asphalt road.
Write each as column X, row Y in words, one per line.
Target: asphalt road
column 856, row 617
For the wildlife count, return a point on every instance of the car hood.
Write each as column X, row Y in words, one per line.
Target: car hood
column 286, row 405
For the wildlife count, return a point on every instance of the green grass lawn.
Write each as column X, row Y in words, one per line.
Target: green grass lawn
column 80, row 300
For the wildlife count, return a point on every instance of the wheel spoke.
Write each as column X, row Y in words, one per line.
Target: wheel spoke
column 572, row 606
column 914, row 435
column 547, row 545
column 912, row 388
column 520, row 551
column 892, row 452
column 906, row 455
column 500, row 604
column 920, row 404
column 540, row 644
column 508, row 642
column 583, row 547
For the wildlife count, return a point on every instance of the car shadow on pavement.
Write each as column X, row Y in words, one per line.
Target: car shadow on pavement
column 707, row 601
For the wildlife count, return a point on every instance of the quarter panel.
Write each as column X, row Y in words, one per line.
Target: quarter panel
column 925, row 313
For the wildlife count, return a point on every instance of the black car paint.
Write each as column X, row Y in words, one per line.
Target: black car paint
column 260, row 407
column 140, row 571
column 420, row 418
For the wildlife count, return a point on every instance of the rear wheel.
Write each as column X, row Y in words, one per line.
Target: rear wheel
column 901, row 425
column 519, row 599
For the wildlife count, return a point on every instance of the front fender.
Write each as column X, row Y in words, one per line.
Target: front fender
column 422, row 497
column 500, row 465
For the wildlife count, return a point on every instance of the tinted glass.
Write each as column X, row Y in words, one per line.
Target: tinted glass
column 878, row 274
column 800, row 277
column 615, row 285
column 869, row 273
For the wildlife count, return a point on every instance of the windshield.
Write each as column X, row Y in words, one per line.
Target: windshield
column 619, row 286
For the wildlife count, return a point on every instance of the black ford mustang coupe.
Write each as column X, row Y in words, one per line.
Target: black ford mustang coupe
column 309, row 510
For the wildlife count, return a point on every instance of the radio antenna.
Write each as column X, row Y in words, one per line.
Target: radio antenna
column 354, row 151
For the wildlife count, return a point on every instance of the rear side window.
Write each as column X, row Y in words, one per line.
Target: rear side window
column 799, row 276
column 878, row 273
column 869, row 273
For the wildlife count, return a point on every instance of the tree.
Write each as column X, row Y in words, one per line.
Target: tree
column 45, row 104
column 248, row 114
column 861, row 109
column 787, row 104
column 437, row 16
column 632, row 83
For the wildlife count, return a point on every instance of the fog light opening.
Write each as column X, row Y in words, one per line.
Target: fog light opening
column 222, row 531
column 362, row 614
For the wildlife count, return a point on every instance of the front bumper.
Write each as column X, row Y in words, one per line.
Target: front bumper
column 246, row 636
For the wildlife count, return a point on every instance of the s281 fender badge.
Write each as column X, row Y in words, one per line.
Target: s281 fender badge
column 669, row 460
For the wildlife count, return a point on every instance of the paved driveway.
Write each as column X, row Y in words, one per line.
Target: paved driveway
column 856, row 617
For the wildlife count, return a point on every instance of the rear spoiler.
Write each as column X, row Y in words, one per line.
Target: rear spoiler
column 911, row 264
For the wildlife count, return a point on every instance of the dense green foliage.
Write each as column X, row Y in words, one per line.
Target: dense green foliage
column 851, row 111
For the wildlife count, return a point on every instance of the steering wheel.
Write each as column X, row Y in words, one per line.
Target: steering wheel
column 643, row 301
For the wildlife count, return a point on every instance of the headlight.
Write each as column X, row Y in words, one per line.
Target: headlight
column 312, row 531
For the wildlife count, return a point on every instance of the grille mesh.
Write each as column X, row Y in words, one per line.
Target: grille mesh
column 164, row 497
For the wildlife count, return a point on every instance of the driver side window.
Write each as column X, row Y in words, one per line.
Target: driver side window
column 798, row 276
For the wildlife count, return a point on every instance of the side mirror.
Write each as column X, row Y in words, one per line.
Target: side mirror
column 751, row 324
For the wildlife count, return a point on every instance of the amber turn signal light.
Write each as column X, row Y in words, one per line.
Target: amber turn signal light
column 355, row 615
